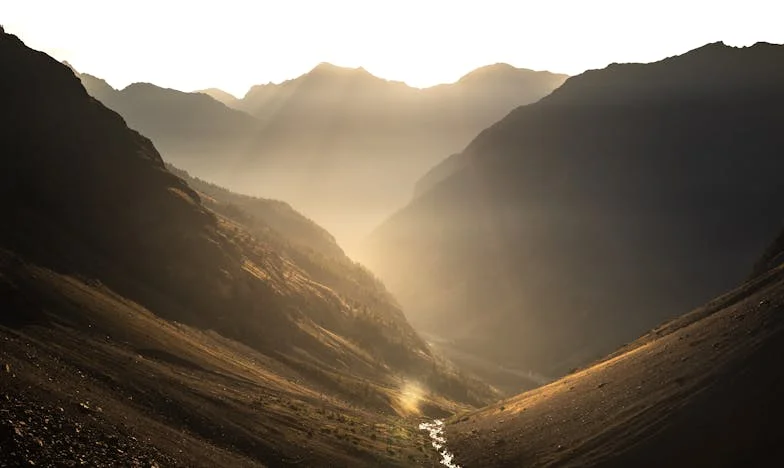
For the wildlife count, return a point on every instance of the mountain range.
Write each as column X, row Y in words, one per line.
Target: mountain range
column 154, row 320
column 340, row 144
column 623, row 234
column 178, row 123
column 629, row 195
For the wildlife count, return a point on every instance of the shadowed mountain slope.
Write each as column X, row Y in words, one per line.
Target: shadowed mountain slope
column 579, row 221
column 118, row 285
column 701, row 390
column 193, row 124
column 277, row 216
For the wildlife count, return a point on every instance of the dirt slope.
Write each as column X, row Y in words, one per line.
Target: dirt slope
column 88, row 375
column 703, row 390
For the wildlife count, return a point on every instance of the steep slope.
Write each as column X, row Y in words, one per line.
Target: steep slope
column 308, row 245
column 277, row 216
column 579, row 221
column 702, row 390
column 106, row 255
column 195, row 127
column 440, row 172
column 91, row 378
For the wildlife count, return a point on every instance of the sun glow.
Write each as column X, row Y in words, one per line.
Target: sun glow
column 234, row 44
column 411, row 394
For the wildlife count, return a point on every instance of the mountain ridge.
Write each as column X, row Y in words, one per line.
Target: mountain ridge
column 126, row 299
column 340, row 144
column 652, row 190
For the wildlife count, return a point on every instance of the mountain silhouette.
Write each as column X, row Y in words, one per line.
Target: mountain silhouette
column 220, row 96
column 194, row 126
column 137, row 315
column 347, row 147
column 575, row 223
column 340, row 144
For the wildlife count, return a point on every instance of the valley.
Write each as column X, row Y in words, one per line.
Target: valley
column 700, row 390
column 507, row 379
column 341, row 145
column 514, row 268
column 534, row 245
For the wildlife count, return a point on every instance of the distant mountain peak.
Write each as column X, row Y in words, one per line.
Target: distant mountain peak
column 140, row 85
column 219, row 95
column 329, row 69
column 495, row 67
column 502, row 71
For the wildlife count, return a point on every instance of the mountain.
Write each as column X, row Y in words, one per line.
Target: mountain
column 439, row 172
column 194, row 127
column 220, row 96
column 347, row 147
column 701, row 390
column 340, row 144
column 141, row 327
column 773, row 256
column 274, row 215
column 577, row 222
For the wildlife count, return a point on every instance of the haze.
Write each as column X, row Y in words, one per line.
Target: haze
column 485, row 234
column 234, row 44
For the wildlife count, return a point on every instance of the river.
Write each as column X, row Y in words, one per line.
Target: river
column 437, row 438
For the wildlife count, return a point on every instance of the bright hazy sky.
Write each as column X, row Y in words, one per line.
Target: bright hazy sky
column 233, row 44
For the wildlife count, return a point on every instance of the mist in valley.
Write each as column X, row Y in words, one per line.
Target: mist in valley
column 364, row 235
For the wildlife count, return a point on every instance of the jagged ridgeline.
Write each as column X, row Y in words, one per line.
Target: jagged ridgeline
column 84, row 195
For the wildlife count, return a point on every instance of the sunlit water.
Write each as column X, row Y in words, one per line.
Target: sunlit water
column 436, row 431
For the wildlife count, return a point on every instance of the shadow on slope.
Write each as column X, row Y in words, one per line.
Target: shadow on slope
column 97, row 230
column 703, row 390
column 100, row 379
column 656, row 181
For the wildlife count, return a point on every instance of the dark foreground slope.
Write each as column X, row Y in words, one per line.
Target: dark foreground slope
column 88, row 377
column 578, row 222
column 118, row 286
column 702, row 390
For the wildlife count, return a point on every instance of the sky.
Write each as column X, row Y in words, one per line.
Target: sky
column 234, row 44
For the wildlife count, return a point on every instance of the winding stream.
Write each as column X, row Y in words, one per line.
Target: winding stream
column 436, row 431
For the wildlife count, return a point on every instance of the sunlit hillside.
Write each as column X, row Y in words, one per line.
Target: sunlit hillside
column 388, row 234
